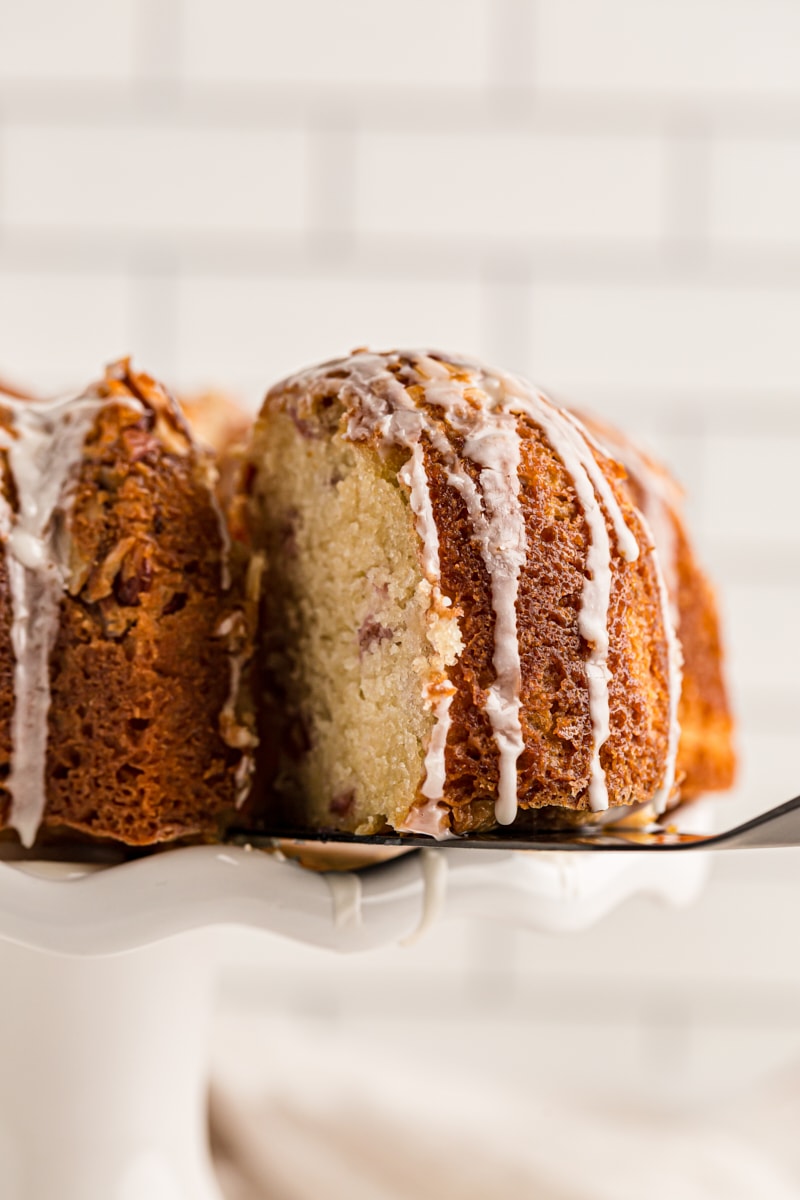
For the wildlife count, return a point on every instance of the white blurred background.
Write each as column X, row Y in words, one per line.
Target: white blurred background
column 602, row 195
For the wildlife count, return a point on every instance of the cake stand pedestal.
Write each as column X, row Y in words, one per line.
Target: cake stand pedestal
column 104, row 1082
column 107, row 985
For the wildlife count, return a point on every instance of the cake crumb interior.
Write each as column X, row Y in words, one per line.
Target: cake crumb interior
column 348, row 604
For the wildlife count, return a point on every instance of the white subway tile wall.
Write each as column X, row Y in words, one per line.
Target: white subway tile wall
column 85, row 41
column 754, row 192
column 605, row 196
column 165, row 178
column 694, row 49
column 272, row 324
column 352, row 42
column 502, row 187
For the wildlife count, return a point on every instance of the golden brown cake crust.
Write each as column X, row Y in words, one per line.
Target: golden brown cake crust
column 706, row 752
column 216, row 420
column 140, row 672
column 553, row 768
column 6, row 688
column 555, row 712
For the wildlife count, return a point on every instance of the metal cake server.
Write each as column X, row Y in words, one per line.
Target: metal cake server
column 778, row 827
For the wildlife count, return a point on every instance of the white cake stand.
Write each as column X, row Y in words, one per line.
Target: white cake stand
column 106, row 983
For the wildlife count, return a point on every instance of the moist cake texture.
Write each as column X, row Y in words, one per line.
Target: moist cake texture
column 465, row 619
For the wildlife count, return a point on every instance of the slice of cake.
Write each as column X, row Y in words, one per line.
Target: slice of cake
column 123, row 622
column 465, row 618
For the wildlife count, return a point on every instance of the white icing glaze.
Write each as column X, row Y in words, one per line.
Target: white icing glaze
column 44, row 450
column 661, row 499
column 595, row 598
column 567, row 439
column 626, row 540
column 660, row 502
column 345, row 889
column 415, row 477
column 435, row 771
column 432, row 817
column 491, row 443
column 434, row 892
column 661, row 522
column 483, row 408
column 496, row 450
column 675, row 680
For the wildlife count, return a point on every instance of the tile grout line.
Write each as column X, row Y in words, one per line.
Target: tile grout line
column 331, row 183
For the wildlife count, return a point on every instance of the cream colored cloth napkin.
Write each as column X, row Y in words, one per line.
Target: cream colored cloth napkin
column 313, row 1120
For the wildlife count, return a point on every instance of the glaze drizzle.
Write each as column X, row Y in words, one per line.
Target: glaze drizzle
column 413, row 400
column 44, row 448
column 661, row 501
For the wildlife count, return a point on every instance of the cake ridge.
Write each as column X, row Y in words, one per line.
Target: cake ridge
column 658, row 492
column 43, row 449
column 121, row 626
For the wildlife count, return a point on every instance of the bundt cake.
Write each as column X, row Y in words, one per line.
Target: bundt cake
column 222, row 427
column 478, row 608
column 464, row 615
column 216, row 421
column 124, row 622
column 706, row 755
